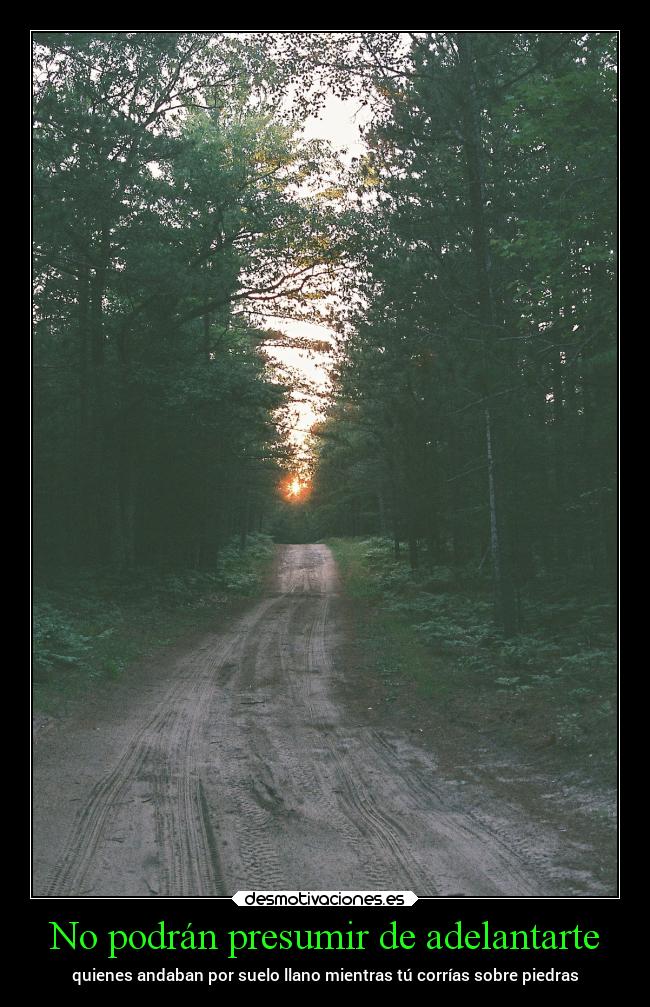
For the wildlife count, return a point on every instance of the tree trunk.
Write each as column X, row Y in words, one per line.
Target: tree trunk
column 102, row 506
column 559, row 435
column 82, row 526
column 505, row 608
column 244, row 516
column 395, row 515
column 382, row 512
column 414, row 558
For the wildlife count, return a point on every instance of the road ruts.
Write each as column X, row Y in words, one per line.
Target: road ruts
column 161, row 752
column 241, row 768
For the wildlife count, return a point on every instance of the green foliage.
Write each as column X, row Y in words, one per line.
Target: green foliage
column 172, row 206
column 472, row 252
column 239, row 572
column 57, row 642
column 561, row 672
column 495, row 294
column 91, row 626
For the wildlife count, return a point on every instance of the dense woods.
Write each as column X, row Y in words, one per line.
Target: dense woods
column 171, row 206
column 475, row 419
column 324, row 463
column 466, row 262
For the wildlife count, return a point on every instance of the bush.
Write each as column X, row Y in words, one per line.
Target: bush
column 58, row 643
column 98, row 622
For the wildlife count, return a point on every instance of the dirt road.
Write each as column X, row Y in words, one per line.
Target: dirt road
column 235, row 764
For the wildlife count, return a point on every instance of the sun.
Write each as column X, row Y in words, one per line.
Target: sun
column 294, row 488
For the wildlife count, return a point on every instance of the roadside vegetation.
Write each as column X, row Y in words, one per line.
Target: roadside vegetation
column 465, row 267
column 428, row 635
column 90, row 629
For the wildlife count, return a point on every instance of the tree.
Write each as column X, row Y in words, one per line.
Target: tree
column 477, row 289
column 171, row 209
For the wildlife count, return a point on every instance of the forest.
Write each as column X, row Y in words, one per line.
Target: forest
column 463, row 270
column 325, row 401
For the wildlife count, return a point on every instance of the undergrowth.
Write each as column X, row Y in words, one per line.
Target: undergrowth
column 552, row 687
column 92, row 625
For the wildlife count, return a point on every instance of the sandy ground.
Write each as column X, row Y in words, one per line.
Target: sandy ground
column 234, row 762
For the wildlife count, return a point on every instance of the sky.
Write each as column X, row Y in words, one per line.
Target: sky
column 339, row 123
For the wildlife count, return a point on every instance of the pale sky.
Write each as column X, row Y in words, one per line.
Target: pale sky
column 339, row 123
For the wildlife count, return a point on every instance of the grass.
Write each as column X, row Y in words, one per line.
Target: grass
column 90, row 627
column 395, row 653
column 430, row 635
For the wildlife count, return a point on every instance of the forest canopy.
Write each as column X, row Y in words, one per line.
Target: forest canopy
column 465, row 264
column 171, row 206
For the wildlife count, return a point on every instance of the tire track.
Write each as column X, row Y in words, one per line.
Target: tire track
column 363, row 808
column 164, row 741
column 460, row 838
column 462, row 830
column 258, row 862
column 247, row 773
column 352, row 833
